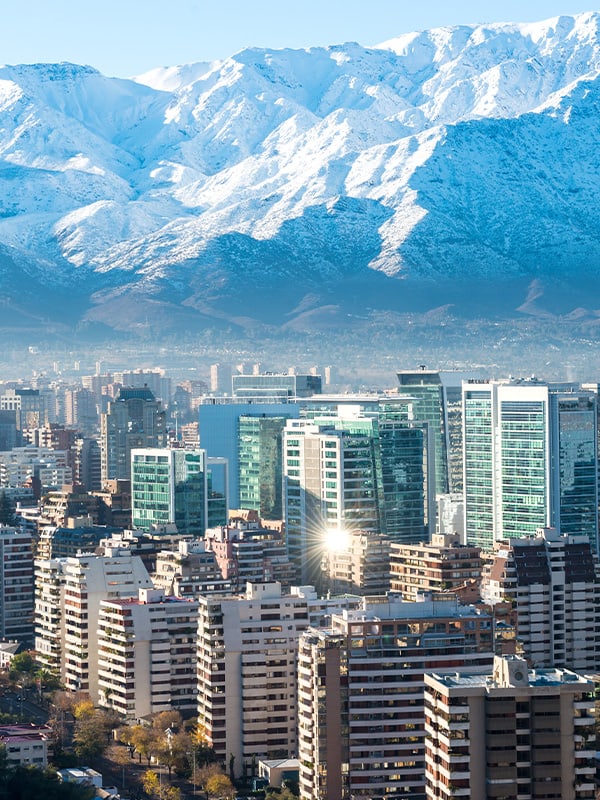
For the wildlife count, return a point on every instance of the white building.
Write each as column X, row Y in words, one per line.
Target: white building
column 147, row 653
column 247, row 672
column 70, row 636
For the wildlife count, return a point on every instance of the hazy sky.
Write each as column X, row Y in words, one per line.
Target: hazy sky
column 128, row 37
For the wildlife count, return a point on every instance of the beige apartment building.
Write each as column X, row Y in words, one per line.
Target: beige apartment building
column 360, row 693
column 146, row 654
column 513, row 733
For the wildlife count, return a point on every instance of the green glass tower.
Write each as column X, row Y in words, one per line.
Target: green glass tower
column 169, row 487
column 260, row 464
column 530, row 461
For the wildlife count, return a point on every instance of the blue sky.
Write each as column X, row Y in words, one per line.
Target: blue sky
column 128, row 37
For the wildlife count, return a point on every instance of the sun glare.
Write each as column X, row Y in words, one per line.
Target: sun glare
column 336, row 539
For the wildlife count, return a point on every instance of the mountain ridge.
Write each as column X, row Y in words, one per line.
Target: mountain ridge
column 411, row 173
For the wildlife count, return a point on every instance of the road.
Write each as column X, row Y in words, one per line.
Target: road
column 23, row 707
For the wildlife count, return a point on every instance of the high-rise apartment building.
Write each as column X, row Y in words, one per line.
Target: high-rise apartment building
column 512, row 733
column 146, row 654
column 16, row 585
column 360, row 693
column 247, row 672
column 134, row 419
column 357, row 563
column 554, row 583
column 169, row 487
column 530, row 461
column 68, row 634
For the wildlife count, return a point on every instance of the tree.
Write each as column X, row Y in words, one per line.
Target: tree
column 143, row 740
column 89, row 736
column 155, row 788
column 219, row 785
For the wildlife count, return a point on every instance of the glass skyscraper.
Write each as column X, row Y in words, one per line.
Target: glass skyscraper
column 169, row 487
column 530, row 461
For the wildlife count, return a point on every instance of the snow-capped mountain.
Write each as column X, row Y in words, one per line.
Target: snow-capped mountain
column 454, row 166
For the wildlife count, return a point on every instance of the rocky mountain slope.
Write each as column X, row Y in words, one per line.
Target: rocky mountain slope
column 308, row 189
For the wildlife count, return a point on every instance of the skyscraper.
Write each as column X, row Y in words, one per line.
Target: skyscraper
column 169, row 487
column 529, row 460
column 351, row 473
column 133, row 419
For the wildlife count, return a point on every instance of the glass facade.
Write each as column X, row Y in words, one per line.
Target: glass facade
column 169, row 487
column 260, row 464
column 479, row 471
column 524, row 458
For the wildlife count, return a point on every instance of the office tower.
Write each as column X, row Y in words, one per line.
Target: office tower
column 16, row 585
column 88, row 464
column 169, row 487
column 554, row 583
column 351, row 473
column 511, row 733
column 152, row 379
column 248, row 552
column 530, row 461
column 134, row 419
column 146, row 654
column 189, row 571
column 436, row 399
column 219, row 428
column 276, row 386
column 81, row 411
column 82, row 582
column 440, row 566
column 261, row 464
column 360, row 693
column 247, row 672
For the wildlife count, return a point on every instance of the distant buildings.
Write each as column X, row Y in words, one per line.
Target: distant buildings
column 275, row 386
column 134, row 419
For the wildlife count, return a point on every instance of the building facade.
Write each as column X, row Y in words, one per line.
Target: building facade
column 530, row 460
column 512, row 733
column 360, row 693
column 169, row 487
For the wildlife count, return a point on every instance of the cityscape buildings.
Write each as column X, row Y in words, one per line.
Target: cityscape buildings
column 134, row 419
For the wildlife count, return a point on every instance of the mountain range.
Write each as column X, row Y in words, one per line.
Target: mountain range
column 453, row 172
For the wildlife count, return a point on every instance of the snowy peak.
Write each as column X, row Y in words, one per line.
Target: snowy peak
column 441, row 156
